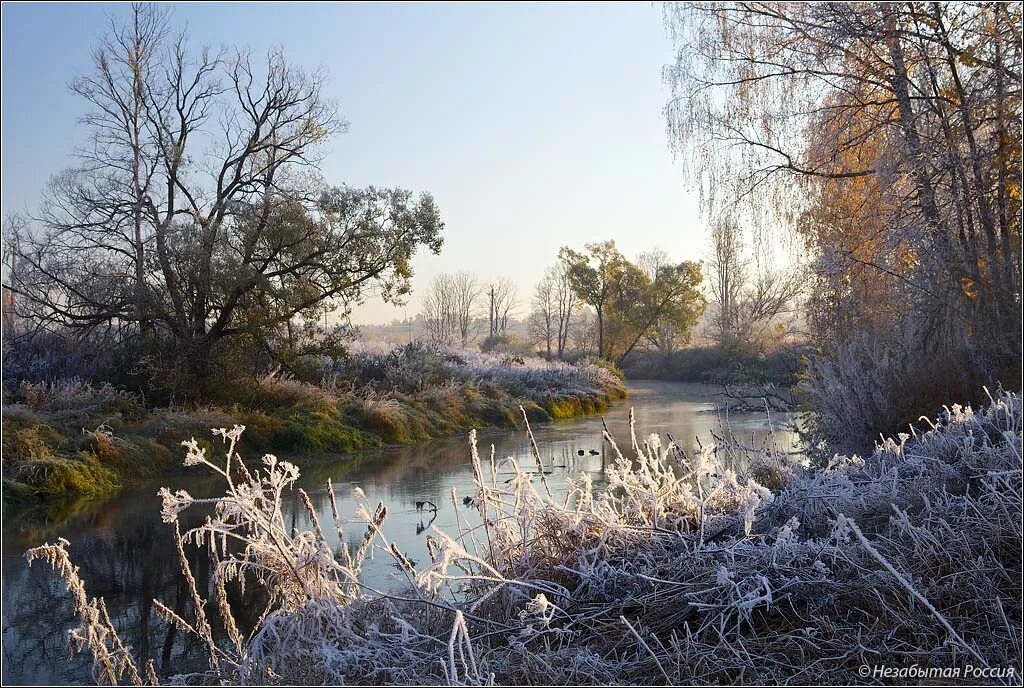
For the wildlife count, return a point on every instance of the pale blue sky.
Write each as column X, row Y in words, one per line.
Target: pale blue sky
column 533, row 126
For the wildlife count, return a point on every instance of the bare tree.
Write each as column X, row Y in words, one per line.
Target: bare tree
column 121, row 151
column 584, row 331
column 439, row 311
column 749, row 296
column 544, row 316
column 567, row 307
column 450, row 308
column 466, row 295
column 727, row 272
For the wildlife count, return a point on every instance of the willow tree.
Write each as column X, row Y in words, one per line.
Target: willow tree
column 663, row 305
column 197, row 216
column 889, row 135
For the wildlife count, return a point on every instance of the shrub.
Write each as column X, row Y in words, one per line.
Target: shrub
column 507, row 344
column 876, row 385
column 76, row 394
column 604, row 364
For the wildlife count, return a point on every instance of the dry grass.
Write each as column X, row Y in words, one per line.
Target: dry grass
column 680, row 572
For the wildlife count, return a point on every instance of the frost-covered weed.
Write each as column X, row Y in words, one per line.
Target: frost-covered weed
column 681, row 571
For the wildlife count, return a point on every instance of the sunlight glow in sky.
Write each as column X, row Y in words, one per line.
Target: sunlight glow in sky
column 534, row 126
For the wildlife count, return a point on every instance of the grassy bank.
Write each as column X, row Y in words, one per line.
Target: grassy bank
column 72, row 437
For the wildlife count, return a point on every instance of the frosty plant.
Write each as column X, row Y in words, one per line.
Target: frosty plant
column 682, row 570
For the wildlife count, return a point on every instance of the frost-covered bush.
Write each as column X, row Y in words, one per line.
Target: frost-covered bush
column 684, row 570
column 507, row 344
column 877, row 385
column 48, row 355
column 406, row 368
column 532, row 374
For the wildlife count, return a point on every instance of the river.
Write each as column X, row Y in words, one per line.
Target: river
column 126, row 553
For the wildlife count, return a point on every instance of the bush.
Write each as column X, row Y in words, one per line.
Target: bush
column 508, row 344
column 878, row 386
column 76, row 394
column 408, row 368
column 46, row 356
column 604, row 364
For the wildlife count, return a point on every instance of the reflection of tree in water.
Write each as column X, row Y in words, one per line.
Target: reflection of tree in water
column 129, row 567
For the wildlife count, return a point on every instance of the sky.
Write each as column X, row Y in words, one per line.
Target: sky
column 533, row 126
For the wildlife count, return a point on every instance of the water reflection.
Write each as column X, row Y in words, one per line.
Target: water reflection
column 126, row 553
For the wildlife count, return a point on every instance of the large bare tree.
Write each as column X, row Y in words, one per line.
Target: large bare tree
column 197, row 213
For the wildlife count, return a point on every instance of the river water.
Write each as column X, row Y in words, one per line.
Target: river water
column 126, row 554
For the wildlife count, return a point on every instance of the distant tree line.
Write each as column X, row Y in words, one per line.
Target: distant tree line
column 594, row 300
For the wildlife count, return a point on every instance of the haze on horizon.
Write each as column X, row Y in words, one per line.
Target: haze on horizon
column 533, row 126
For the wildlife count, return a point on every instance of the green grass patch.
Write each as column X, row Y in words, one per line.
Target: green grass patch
column 322, row 429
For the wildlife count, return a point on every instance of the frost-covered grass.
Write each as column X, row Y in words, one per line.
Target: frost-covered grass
column 414, row 367
column 682, row 571
column 63, row 438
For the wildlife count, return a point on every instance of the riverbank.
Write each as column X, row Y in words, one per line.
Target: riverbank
column 916, row 545
column 73, row 438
